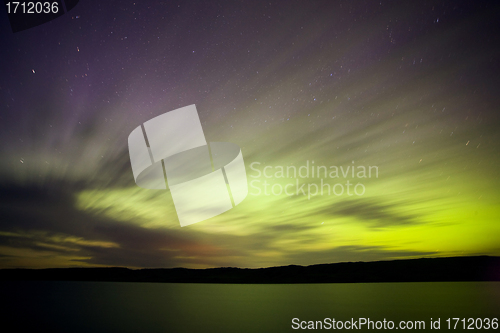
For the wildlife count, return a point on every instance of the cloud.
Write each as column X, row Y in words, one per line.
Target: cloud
column 46, row 220
column 372, row 213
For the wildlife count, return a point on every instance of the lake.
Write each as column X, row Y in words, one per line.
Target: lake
column 155, row 307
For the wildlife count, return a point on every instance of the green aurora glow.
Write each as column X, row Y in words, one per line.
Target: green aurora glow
column 383, row 86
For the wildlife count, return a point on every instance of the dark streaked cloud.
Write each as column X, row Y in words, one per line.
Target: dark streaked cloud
column 44, row 220
column 373, row 213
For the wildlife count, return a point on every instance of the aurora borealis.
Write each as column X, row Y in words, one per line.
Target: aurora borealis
column 411, row 88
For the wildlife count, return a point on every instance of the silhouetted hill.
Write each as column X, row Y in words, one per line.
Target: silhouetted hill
column 482, row 268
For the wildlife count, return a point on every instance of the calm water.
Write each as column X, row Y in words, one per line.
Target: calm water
column 150, row 307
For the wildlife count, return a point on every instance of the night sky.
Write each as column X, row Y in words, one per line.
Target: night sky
column 411, row 88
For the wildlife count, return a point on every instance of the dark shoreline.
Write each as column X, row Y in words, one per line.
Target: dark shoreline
column 479, row 268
